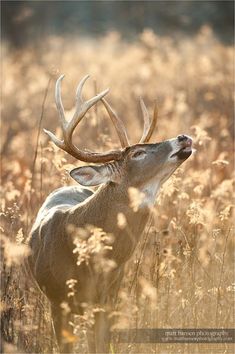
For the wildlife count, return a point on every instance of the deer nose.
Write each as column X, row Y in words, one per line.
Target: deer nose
column 185, row 139
column 182, row 137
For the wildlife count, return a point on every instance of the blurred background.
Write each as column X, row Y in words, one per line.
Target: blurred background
column 178, row 52
column 24, row 22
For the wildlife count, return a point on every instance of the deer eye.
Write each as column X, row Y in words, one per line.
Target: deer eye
column 138, row 154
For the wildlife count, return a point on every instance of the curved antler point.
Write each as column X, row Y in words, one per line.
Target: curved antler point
column 86, row 77
column 46, row 131
column 61, row 77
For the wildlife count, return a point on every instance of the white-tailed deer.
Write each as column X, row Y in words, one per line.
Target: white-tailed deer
column 55, row 249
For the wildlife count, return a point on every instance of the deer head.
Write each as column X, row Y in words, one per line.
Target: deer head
column 143, row 165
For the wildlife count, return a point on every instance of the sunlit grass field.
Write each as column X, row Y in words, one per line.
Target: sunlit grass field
column 181, row 275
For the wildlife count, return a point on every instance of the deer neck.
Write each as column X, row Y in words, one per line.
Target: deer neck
column 102, row 210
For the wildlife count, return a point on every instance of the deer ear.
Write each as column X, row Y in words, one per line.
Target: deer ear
column 94, row 175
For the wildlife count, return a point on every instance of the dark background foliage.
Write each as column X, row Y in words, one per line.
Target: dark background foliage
column 27, row 21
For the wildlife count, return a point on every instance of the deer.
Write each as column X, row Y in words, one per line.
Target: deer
column 53, row 262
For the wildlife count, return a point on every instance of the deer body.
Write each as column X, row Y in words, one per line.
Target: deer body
column 80, row 209
column 54, row 260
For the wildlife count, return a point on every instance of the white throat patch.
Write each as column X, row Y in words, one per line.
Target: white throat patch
column 150, row 194
column 151, row 190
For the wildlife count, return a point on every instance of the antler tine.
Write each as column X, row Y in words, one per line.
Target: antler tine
column 153, row 124
column 59, row 103
column 79, row 89
column 56, row 141
column 118, row 124
column 146, row 120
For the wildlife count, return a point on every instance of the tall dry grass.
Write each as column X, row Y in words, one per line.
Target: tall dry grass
column 181, row 275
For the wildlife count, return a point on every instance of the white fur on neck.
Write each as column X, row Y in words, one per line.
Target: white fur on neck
column 151, row 189
column 150, row 192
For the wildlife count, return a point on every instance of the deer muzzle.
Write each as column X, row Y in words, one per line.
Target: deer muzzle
column 184, row 147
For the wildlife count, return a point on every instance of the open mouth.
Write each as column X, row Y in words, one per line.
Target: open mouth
column 183, row 153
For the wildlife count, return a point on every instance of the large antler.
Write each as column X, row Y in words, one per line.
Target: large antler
column 81, row 109
column 68, row 127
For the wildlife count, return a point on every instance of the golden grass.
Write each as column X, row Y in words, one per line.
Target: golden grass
column 181, row 275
